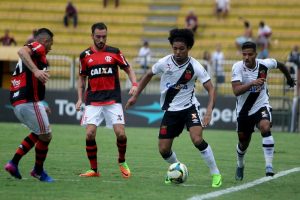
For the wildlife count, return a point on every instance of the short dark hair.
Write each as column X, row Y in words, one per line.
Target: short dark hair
column 249, row 45
column 43, row 31
column 182, row 35
column 99, row 25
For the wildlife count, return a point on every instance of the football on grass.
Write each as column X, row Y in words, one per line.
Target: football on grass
column 177, row 173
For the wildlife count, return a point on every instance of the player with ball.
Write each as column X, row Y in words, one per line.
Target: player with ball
column 179, row 73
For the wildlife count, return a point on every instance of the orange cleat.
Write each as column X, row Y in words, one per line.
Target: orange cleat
column 124, row 170
column 90, row 173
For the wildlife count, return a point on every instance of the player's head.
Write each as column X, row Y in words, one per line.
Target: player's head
column 249, row 54
column 181, row 40
column 45, row 37
column 99, row 35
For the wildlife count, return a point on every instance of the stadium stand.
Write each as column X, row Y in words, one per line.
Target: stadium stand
column 136, row 20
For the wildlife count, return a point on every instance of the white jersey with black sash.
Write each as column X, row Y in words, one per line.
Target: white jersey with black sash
column 177, row 84
column 257, row 96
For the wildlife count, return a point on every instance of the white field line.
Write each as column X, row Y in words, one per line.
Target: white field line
column 243, row 186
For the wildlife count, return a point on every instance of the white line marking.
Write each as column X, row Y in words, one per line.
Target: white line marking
column 243, row 186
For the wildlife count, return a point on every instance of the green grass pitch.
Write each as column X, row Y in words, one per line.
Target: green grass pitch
column 67, row 159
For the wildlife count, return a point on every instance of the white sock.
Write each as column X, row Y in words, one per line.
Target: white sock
column 268, row 148
column 208, row 157
column 172, row 159
column 240, row 156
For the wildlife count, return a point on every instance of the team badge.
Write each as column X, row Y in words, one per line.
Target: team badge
column 108, row 59
column 188, row 75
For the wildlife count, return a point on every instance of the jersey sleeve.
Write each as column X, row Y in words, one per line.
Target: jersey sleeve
column 270, row 63
column 121, row 60
column 38, row 50
column 236, row 74
column 201, row 73
column 82, row 67
column 157, row 68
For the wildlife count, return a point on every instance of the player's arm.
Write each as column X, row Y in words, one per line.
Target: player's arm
column 132, row 77
column 25, row 55
column 290, row 81
column 238, row 88
column 142, row 84
column 211, row 102
column 80, row 91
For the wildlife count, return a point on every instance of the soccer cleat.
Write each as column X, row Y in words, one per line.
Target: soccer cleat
column 12, row 168
column 269, row 171
column 90, row 173
column 239, row 174
column 216, row 180
column 43, row 176
column 167, row 180
column 124, row 170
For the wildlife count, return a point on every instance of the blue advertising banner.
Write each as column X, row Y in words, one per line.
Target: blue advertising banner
column 145, row 113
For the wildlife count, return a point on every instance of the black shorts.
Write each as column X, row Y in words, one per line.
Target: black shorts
column 246, row 124
column 173, row 122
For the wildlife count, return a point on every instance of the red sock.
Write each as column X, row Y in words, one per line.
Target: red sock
column 25, row 147
column 91, row 151
column 41, row 150
column 122, row 144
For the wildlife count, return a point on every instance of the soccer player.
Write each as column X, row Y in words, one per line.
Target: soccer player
column 99, row 64
column 249, row 85
column 27, row 93
column 179, row 73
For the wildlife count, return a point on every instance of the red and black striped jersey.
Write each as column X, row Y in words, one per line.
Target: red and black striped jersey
column 25, row 87
column 101, row 68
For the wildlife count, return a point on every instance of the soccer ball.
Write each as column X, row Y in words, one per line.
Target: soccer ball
column 177, row 173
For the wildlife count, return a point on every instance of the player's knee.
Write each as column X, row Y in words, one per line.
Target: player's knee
column 46, row 137
column 90, row 135
column 201, row 145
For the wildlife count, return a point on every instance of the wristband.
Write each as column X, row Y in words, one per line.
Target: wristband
column 135, row 84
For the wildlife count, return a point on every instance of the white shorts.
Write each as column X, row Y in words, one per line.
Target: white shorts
column 113, row 114
column 34, row 116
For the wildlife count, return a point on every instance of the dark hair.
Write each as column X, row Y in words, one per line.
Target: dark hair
column 99, row 25
column 246, row 24
column 249, row 45
column 43, row 31
column 182, row 35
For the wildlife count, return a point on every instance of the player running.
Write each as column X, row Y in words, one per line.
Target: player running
column 249, row 85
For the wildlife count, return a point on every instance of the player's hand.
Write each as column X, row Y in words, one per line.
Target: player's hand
column 78, row 105
column 131, row 101
column 259, row 81
column 48, row 110
column 42, row 75
column 133, row 90
column 206, row 120
column 291, row 82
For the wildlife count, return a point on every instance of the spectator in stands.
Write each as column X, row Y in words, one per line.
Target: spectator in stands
column 7, row 40
column 294, row 57
column 206, row 60
column 71, row 13
column 31, row 36
column 217, row 62
column 144, row 55
column 247, row 36
column 222, row 8
column 106, row 1
column 191, row 21
column 263, row 40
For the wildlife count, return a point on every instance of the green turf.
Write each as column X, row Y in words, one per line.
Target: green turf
column 67, row 158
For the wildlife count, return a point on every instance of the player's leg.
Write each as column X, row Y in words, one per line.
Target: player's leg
column 264, row 126
column 114, row 115
column 91, row 119
column 245, row 128
column 206, row 153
